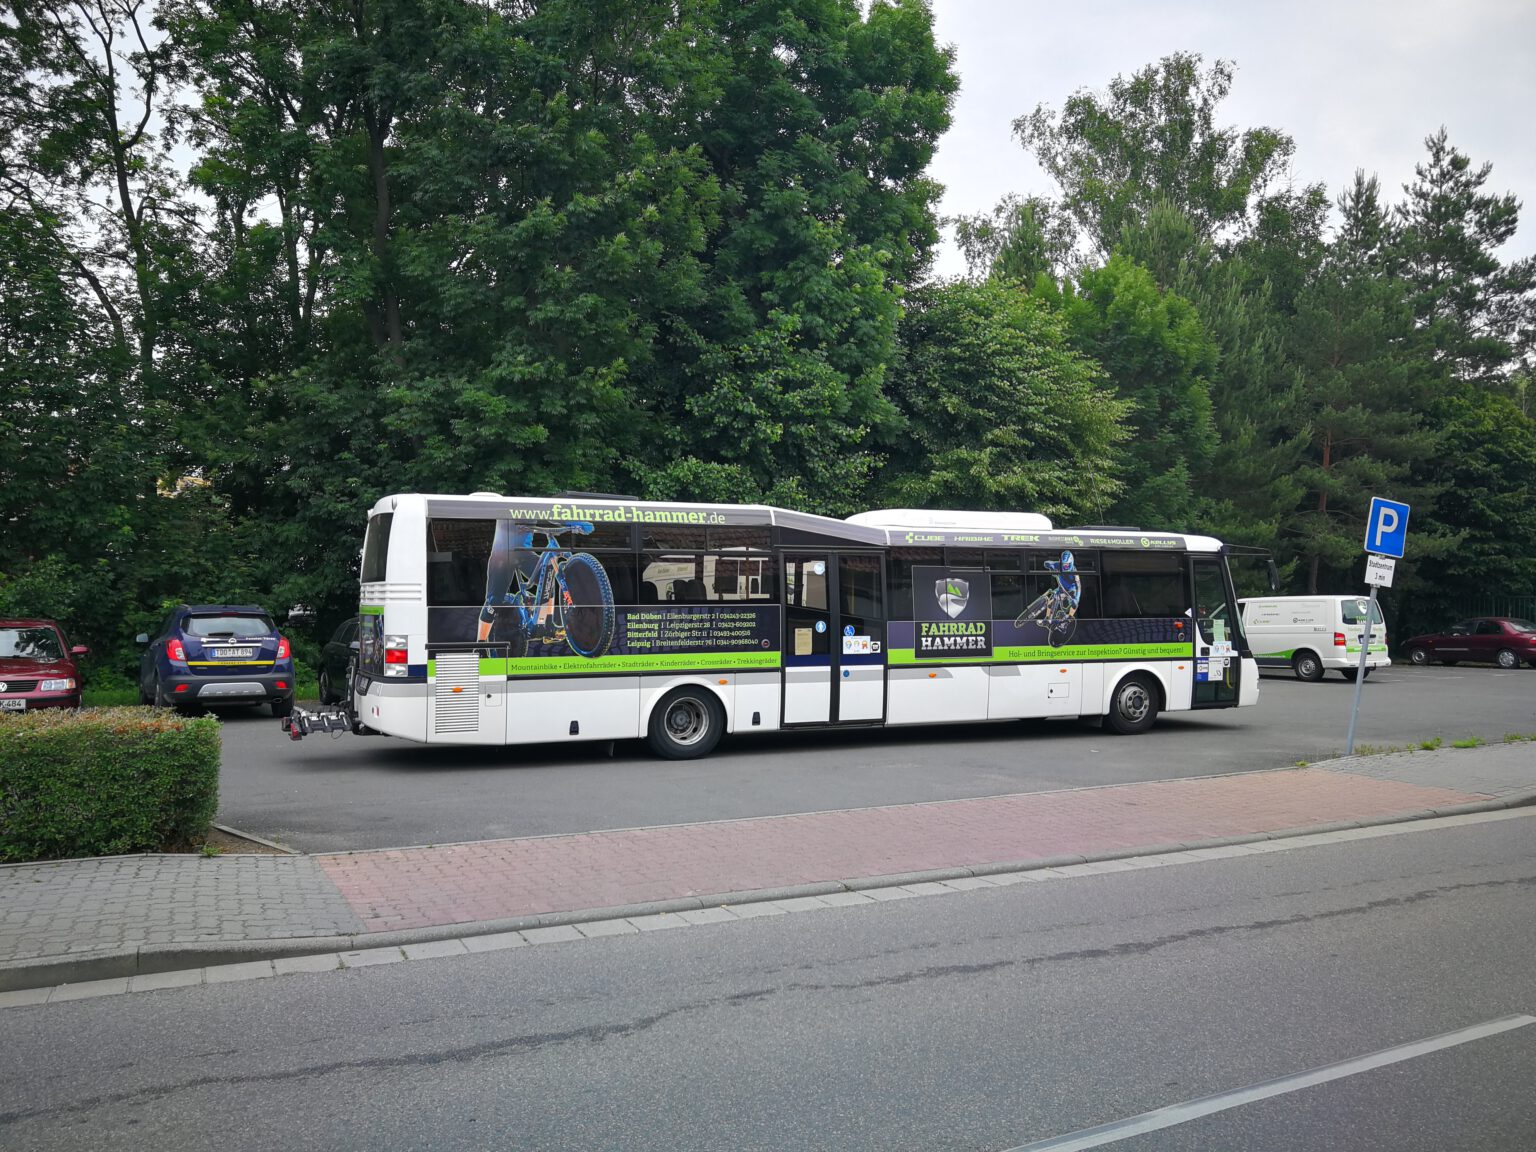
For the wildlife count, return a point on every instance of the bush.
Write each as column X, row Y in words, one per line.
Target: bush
column 105, row 781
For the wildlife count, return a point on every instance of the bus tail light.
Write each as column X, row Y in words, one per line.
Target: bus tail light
column 1338, row 639
column 395, row 656
column 175, row 651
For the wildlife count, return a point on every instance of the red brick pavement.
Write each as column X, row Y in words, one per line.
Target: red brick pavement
column 496, row 879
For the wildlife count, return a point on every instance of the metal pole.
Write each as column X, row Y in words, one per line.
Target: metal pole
column 1365, row 650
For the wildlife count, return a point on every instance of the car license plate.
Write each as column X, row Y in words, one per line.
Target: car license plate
column 236, row 653
column 13, row 705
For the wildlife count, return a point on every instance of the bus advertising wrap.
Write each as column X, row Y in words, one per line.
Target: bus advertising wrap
column 542, row 608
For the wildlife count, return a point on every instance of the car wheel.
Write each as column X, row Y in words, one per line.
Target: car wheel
column 687, row 724
column 1418, row 656
column 1308, row 666
column 281, row 708
column 1133, row 708
column 1507, row 659
column 328, row 694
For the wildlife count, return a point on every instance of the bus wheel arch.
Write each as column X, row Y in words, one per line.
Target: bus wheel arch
column 686, row 722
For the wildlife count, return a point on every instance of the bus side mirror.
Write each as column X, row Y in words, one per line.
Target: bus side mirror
column 1274, row 577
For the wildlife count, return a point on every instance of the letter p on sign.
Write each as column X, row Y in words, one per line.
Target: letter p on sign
column 1386, row 528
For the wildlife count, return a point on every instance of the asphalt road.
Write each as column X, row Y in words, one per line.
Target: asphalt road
column 348, row 792
column 981, row 1020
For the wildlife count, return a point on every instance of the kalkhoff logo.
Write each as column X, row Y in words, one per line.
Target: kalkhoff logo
column 953, row 595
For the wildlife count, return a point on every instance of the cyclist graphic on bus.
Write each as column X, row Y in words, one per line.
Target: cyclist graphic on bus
column 545, row 593
column 1055, row 609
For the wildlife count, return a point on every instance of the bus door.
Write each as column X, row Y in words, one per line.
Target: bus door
column 1218, row 647
column 834, row 630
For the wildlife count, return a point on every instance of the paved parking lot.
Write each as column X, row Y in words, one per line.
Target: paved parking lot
column 351, row 792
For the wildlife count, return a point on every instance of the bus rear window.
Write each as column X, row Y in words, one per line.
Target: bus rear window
column 376, row 547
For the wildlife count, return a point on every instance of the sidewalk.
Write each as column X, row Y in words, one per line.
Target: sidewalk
column 87, row 919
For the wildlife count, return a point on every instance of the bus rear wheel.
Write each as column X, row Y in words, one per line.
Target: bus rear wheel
column 1133, row 707
column 687, row 724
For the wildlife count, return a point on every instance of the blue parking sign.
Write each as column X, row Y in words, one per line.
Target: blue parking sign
column 1386, row 528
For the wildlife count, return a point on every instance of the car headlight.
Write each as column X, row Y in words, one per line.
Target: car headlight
column 57, row 685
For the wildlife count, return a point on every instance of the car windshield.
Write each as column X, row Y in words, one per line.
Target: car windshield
column 30, row 644
column 238, row 627
column 1355, row 610
column 1521, row 625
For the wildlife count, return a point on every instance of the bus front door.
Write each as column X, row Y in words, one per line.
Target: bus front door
column 1218, row 657
column 834, row 626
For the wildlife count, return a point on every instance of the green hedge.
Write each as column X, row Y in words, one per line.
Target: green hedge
column 105, row 781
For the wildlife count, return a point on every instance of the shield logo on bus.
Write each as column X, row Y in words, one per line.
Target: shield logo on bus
column 953, row 595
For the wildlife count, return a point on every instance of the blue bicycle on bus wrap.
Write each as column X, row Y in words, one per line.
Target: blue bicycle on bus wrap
column 566, row 598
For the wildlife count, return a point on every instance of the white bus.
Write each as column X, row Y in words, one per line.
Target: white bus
column 491, row 619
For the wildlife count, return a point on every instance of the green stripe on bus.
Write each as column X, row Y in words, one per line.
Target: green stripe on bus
column 371, row 610
column 1041, row 653
column 627, row 662
column 1286, row 655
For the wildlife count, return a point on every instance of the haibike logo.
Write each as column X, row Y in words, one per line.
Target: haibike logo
column 953, row 595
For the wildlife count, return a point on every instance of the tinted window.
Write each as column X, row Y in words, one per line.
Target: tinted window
column 458, row 559
column 1354, row 611
column 705, row 578
column 30, row 644
column 1488, row 628
column 235, row 627
column 1521, row 626
column 376, row 547
column 1138, row 584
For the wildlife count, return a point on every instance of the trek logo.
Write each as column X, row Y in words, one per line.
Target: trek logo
column 952, row 594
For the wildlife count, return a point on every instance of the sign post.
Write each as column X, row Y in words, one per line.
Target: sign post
column 1386, row 537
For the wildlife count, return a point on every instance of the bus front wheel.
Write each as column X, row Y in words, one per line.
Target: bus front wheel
column 1133, row 708
column 687, row 724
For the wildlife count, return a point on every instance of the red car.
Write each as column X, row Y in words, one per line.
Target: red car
column 1487, row 640
column 37, row 666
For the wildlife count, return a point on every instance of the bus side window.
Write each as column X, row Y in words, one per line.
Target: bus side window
column 899, row 570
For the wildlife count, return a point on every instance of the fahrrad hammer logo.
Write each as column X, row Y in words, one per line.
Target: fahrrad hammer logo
column 952, row 594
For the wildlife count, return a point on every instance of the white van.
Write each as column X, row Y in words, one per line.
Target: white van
column 1310, row 634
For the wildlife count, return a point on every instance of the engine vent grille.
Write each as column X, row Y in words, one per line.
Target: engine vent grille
column 456, row 693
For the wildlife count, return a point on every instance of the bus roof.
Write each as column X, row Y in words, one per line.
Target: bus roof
column 884, row 528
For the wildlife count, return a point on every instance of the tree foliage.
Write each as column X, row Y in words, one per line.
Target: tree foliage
column 1001, row 412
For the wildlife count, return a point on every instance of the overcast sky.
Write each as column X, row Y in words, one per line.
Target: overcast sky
column 1356, row 84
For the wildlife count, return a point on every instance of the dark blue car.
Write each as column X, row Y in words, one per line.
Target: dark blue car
column 216, row 654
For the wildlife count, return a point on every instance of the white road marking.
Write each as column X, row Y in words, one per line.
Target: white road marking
column 1175, row 1114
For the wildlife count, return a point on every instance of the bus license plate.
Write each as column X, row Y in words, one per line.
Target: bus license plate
column 13, row 705
column 237, row 653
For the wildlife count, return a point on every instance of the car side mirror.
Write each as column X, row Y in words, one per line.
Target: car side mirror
column 141, row 638
column 354, row 645
column 79, row 650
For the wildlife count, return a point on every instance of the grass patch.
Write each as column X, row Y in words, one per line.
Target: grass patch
column 1469, row 742
column 1518, row 737
column 1430, row 745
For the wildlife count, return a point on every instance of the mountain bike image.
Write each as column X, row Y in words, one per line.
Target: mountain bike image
column 1055, row 610
column 563, row 597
